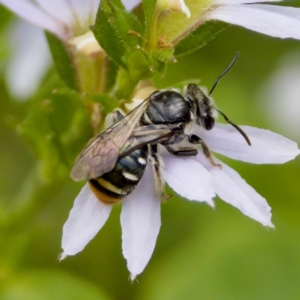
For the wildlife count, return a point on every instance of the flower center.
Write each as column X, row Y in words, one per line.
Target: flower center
column 86, row 44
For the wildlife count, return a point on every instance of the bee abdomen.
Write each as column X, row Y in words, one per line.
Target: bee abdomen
column 113, row 186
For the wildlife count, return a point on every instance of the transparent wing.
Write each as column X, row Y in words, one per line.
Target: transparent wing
column 101, row 153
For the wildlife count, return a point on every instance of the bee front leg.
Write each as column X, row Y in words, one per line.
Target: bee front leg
column 191, row 151
column 157, row 165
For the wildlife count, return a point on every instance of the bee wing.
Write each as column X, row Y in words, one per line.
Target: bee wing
column 148, row 134
column 101, row 153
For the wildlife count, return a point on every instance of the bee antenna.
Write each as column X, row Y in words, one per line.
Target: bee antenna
column 236, row 127
column 236, row 56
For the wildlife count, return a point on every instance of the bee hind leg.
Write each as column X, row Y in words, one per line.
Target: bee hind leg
column 157, row 165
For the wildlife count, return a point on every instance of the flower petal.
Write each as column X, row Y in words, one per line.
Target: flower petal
column 185, row 9
column 276, row 21
column 86, row 218
column 84, row 11
column 226, row 2
column 267, row 147
column 59, row 10
column 28, row 11
column 131, row 4
column 283, row 83
column 188, row 178
column 29, row 60
column 234, row 190
column 140, row 220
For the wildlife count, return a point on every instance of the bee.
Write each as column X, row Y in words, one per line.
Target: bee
column 115, row 160
column 116, row 184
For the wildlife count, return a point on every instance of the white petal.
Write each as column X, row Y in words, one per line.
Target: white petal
column 94, row 6
column 276, row 21
column 84, row 11
column 86, row 218
column 234, row 190
column 130, row 4
column 226, row 2
column 283, row 84
column 185, row 9
column 59, row 10
column 26, row 10
column 188, row 178
column 140, row 220
column 29, row 61
column 267, row 147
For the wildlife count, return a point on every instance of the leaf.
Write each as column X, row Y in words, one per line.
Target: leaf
column 49, row 285
column 5, row 16
column 111, row 74
column 107, row 36
column 199, row 37
column 149, row 6
column 57, row 129
column 62, row 61
column 112, row 30
column 107, row 103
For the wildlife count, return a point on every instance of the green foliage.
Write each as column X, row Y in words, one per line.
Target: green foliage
column 112, row 30
column 149, row 6
column 63, row 61
column 123, row 38
column 49, row 285
column 5, row 16
column 107, row 103
column 199, row 37
column 56, row 129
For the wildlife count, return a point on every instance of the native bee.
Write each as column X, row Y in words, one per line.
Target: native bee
column 115, row 160
column 116, row 184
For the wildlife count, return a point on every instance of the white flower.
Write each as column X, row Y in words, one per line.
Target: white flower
column 191, row 177
column 70, row 20
column 279, row 95
column 269, row 19
column 64, row 18
column 28, row 62
column 273, row 20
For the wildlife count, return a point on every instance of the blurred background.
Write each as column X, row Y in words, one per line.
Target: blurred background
column 201, row 253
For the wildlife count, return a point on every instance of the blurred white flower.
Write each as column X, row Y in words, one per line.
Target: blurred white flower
column 279, row 96
column 70, row 20
column 64, row 18
column 29, row 60
column 191, row 177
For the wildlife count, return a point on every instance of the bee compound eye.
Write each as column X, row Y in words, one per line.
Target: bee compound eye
column 209, row 122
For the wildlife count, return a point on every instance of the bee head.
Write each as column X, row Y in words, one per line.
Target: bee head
column 202, row 106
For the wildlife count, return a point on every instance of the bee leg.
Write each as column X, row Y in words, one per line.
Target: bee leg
column 184, row 151
column 194, row 139
column 190, row 151
column 157, row 164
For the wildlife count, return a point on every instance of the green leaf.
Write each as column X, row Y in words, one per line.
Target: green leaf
column 63, row 61
column 149, row 6
column 199, row 37
column 107, row 36
column 107, row 103
column 57, row 129
column 112, row 30
column 111, row 74
column 5, row 16
column 49, row 285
